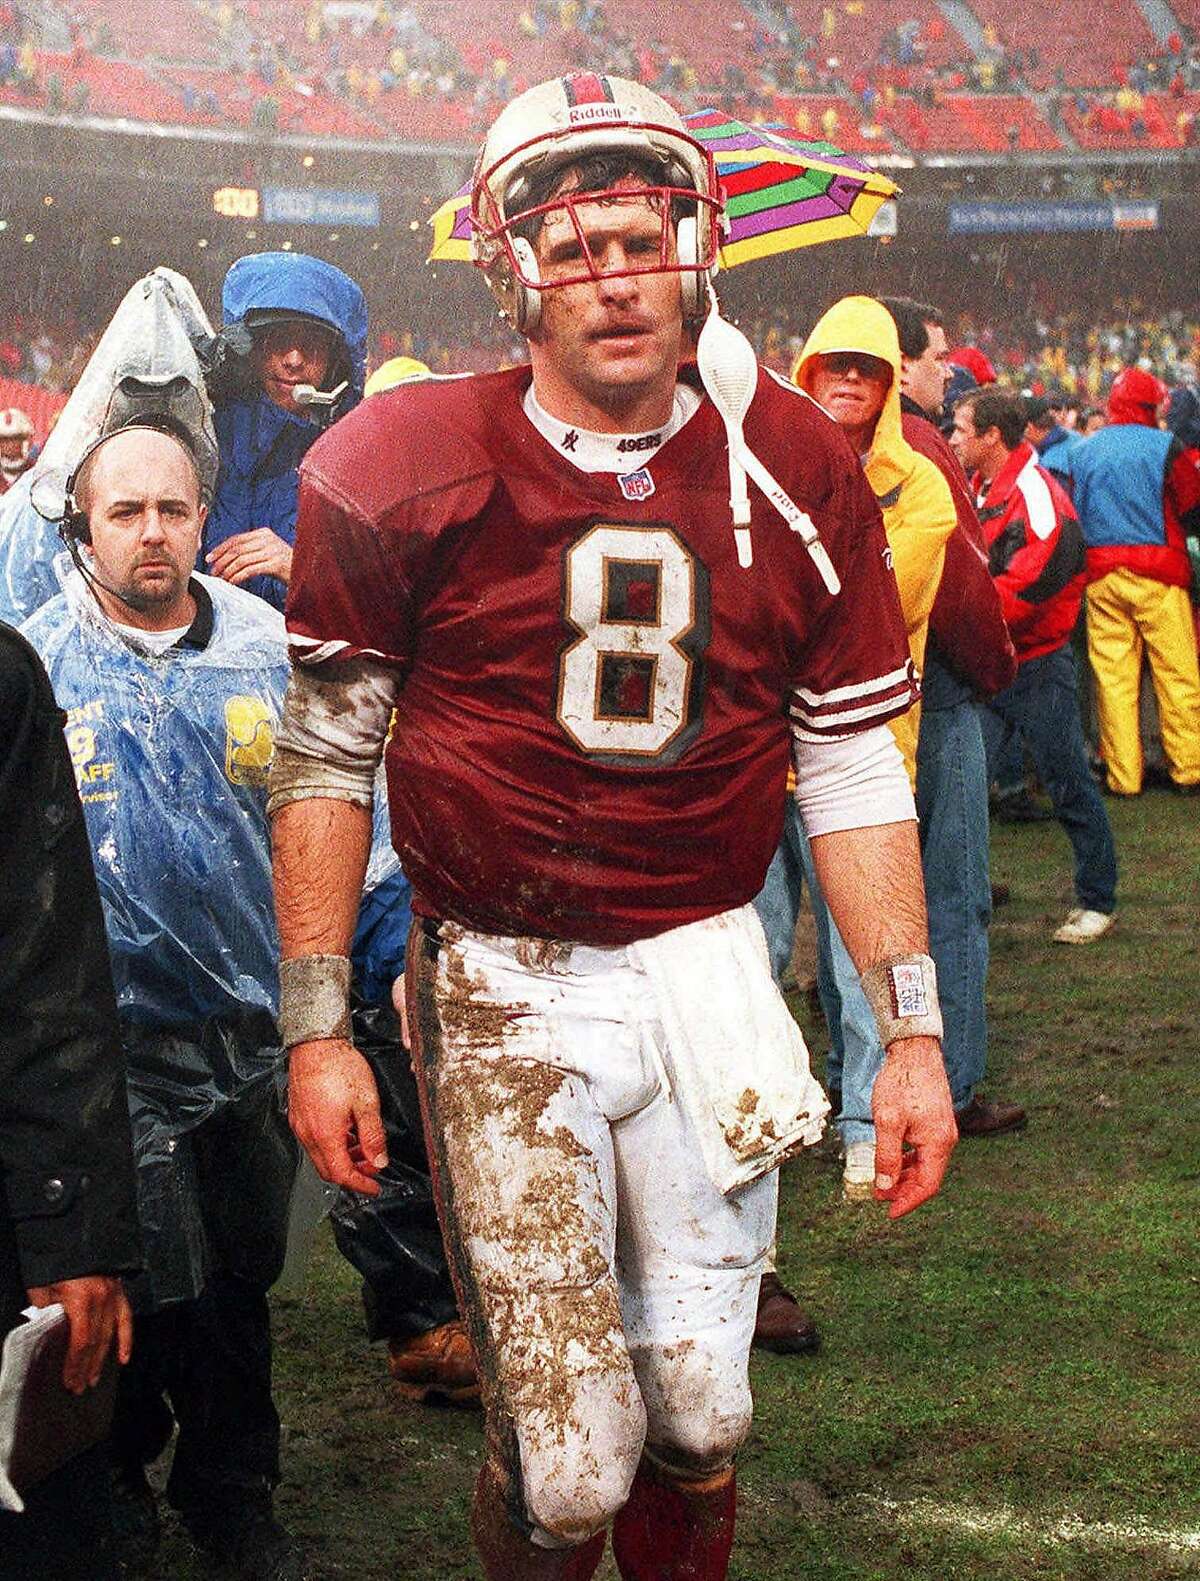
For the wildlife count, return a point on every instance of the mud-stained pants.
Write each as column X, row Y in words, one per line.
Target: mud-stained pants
column 1128, row 616
column 609, row 1288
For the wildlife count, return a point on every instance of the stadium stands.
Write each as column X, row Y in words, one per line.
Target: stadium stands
column 962, row 123
column 1155, row 122
column 310, row 36
column 870, row 75
column 39, row 405
column 155, row 29
column 859, row 31
column 487, row 32
column 83, row 84
column 209, row 97
column 724, row 37
column 1087, row 43
column 805, row 115
column 428, row 117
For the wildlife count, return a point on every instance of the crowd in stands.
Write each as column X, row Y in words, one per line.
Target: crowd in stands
column 1072, row 352
column 1057, row 348
column 831, row 71
column 48, row 351
column 1150, row 100
column 1065, row 350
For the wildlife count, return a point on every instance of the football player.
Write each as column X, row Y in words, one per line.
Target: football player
column 17, row 454
column 600, row 649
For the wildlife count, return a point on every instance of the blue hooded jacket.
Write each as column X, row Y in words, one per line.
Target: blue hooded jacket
column 261, row 445
column 171, row 754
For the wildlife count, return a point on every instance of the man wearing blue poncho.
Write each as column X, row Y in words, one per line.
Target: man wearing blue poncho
column 173, row 684
column 290, row 359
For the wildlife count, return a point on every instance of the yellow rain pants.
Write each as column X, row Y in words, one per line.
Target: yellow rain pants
column 1128, row 616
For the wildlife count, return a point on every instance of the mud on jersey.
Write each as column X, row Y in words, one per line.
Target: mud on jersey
column 592, row 736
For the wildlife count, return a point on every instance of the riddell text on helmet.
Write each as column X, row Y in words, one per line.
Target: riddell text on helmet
column 582, row 114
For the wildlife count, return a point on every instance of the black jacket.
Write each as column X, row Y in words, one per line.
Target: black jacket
column 67, row 1194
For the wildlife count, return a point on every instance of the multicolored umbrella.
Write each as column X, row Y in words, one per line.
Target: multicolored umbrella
column 780, row 193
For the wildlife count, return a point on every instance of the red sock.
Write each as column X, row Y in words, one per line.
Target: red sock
column 671, row 1531
column 509, row 1556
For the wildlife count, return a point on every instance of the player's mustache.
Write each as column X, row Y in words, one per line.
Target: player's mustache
column 623, row 325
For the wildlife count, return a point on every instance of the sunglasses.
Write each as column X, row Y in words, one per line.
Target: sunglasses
column 865, row 366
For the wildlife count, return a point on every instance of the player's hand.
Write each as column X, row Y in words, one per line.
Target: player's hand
column 333, row 1107
column 97, row 1312
column 259, row 552
column 911, row 1103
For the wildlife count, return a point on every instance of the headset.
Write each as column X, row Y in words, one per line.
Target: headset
column 73, row 526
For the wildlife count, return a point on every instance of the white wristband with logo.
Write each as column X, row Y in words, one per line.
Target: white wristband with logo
column 903, row 996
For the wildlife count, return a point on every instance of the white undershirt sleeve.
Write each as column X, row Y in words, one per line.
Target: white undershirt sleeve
column 851, row 782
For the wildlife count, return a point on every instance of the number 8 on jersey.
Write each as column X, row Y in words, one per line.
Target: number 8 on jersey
column 632, row 684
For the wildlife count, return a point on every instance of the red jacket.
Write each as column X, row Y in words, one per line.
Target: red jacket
column 967, row 632
column 1035, row 553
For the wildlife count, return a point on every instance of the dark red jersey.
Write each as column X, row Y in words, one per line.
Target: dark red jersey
column 592, row 737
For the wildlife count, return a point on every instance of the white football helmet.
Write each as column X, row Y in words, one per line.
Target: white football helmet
column 16, row 434
column 568, row 119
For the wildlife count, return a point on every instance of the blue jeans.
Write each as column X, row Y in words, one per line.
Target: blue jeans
column 952, row 805
column 1042, row 705
column 778, row 905
column 851, row 1063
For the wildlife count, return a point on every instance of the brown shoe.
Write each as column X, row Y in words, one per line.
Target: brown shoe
column 783, row 1325
column 438, row 1364
column 983, row 1118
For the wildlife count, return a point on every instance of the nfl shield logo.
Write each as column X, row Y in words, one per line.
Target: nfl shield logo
column 637, row 485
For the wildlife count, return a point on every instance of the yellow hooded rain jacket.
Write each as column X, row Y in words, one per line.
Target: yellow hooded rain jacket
column 914, row 497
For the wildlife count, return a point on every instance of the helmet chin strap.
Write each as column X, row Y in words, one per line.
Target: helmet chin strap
column 729, row 373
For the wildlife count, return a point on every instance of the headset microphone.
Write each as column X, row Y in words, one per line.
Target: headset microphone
column 73, row 530
column 309, row 395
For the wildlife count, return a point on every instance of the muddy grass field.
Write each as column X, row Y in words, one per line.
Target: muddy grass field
column 1009, row 1385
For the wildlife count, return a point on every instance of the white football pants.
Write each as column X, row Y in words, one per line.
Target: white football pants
column 609, row 1288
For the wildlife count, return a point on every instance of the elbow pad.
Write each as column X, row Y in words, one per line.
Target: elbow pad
column 331, row 738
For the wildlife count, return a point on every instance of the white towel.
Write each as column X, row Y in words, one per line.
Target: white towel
column 735, row 1058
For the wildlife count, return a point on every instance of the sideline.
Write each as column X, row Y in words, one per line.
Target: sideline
column 1005, row 1522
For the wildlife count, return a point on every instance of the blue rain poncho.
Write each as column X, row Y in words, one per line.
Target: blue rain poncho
column 171, row 755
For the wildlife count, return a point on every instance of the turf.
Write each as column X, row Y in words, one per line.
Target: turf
column 1008, row 1385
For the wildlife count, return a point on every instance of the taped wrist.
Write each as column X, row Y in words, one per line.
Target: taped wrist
column 903, row 996
column 314, row 999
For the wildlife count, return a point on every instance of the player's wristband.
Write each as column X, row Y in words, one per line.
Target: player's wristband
column 314, row 999
column 903, row 995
